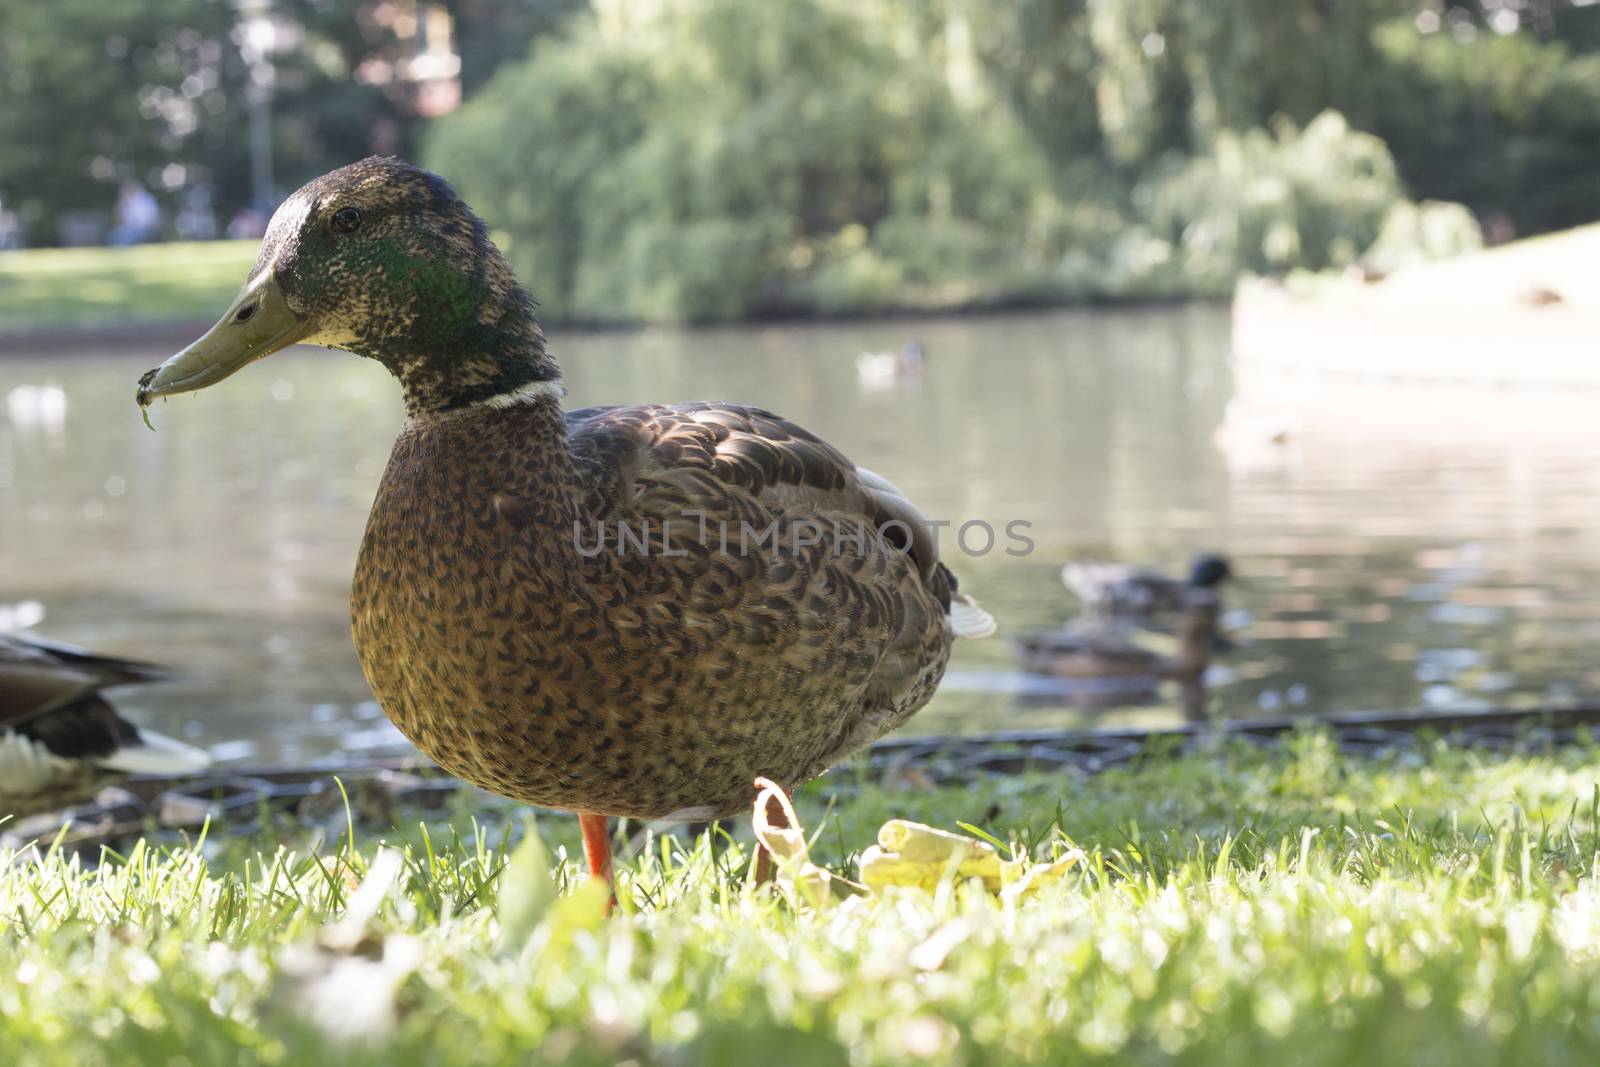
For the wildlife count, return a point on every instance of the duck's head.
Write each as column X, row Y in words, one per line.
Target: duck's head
column 1209, row 570
column 383, row 259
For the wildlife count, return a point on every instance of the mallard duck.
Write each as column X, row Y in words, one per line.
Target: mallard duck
column 878, row 371
column 1097, row 648
column 60, row 740
column 565, row 607
column 1118, row 591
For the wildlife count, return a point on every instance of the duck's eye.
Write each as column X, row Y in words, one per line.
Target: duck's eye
column 346, row 219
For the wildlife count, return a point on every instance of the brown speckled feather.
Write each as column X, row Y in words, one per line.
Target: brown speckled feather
column 630, row 683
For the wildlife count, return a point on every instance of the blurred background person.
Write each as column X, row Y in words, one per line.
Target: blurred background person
column 196, row 219
column 138, row 216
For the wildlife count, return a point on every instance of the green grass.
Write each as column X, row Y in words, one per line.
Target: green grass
column 68, row 287
column 1235, row 908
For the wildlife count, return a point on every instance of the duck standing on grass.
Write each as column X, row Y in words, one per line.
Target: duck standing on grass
column 564, row 607
column 60, row 740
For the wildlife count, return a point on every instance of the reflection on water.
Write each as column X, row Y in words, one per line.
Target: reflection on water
column 1404, row 545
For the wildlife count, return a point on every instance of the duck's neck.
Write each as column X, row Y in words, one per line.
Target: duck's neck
column 506, row 456
column 1197, row 631
column 495, row 355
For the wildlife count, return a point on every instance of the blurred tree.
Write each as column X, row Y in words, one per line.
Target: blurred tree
column 339, row 92
column 1505, row 122
column 823, row 151
column 490, row 32
column 92, row 93
column 714, row 158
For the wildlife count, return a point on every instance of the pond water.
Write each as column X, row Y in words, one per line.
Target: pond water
column 1404, row 545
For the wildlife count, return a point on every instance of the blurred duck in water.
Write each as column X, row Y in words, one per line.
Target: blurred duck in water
column 1102, row 649
column 1118, row 591
column 879, row 371
column 60, row 740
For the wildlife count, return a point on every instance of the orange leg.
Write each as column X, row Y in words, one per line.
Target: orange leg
column 775, row 816
column 597, row 848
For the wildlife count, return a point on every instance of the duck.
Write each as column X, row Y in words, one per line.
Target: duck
column 1541, row 296
column 61, row 741
column 1098, row 649
column 621, row 611
column 1119, row 591
column 880, row 371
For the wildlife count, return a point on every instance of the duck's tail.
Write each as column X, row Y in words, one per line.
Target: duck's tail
column 968, row 619
column 154, row 753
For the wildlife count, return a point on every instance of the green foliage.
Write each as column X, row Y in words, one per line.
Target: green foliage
column 1270, row 202
column 1506, row 124
column 81, row 81
column 709, row 159
column 488, row 33
column 724, row 160
column 1415, row 233
column 1297, row 907
column 92, row 93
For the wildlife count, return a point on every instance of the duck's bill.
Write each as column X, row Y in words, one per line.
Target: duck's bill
column 258, row 323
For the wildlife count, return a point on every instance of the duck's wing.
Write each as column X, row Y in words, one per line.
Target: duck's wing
column 1120, row 590
column 708, row 449
column 717, row 447
column 1090, row 579
column 38, row 676
column 730, row 445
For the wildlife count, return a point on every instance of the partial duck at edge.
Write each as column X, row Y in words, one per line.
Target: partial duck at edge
column 61, row 740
